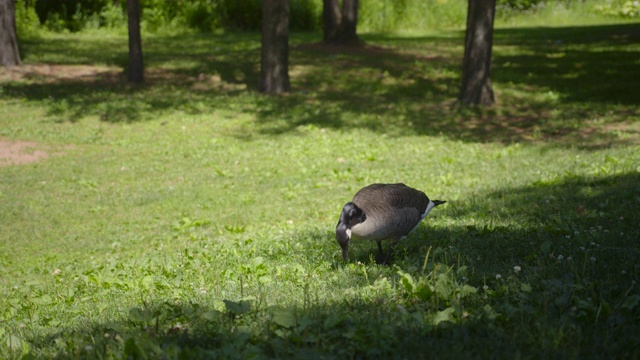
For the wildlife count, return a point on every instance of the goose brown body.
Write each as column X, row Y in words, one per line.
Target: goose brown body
column 382, row 212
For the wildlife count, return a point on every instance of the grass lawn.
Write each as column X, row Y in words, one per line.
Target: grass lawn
column 193, row 217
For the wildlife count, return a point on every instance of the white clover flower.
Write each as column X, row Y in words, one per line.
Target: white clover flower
column 593, row 259
column 498, row 276
column 569, row 258
column 560, row 257
column 517, row 269
column 623, row 272
column 485, row 287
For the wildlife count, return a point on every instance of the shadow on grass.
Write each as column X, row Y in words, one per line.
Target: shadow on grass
column 582, row 64
column 549, row 91
column 580, row 305
column 565, row 86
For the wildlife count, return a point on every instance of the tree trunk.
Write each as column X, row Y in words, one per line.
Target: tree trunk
column 9, row 53
column 274, row 78
column 136, row 66
column 349, row 23
column 476, row 65
column 330, row 20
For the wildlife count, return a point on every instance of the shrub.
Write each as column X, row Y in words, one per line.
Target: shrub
column 392, row 15
column 27, row 22
column 620, row 8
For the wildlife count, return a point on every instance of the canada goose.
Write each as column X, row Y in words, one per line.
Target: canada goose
column 382, row 212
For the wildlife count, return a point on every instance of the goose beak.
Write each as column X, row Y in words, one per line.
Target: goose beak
column 438, row 202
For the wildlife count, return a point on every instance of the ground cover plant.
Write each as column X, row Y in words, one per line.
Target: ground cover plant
column 192, row 217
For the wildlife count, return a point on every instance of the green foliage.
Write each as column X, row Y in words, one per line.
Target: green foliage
column 411, row 15
column 27, row 22
column 305, row 15
column 69, row 15
column 617, row 8
column 113, row 17
column 242, row 14
column 522, row 5
column 374, row 15
column 620, row 8
column 200, row 15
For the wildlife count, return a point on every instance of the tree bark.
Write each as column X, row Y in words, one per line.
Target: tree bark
column 136, row 65
column 330, row 20
column 340, row 24
column 349, row 22
column 476, row 65
column 274, row 78
column 9, row 53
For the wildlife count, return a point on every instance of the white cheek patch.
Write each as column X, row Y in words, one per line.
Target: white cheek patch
column 349, row 233
column 429, row 207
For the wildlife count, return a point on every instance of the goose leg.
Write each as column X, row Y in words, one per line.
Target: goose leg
column 380, row 247
column 388, row 256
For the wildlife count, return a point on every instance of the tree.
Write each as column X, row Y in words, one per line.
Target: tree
column 274, row 78
column 339, row 26
column 9, row 53
column 330, row 20
column 349, row 22
column 476, row 65
column 136, row 66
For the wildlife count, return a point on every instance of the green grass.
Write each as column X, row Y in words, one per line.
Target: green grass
column 193, row 217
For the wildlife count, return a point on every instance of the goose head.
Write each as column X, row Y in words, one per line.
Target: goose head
column 350, row 216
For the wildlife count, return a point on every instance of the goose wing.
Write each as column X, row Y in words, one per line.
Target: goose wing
column 393, row 210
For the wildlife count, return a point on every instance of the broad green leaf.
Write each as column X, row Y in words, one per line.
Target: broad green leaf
column 13, row 342
column 284, row 317
column 211, row 315
column 444, row 287
column 490, row 313
column 239, row 307
column 466, row 290
column 407, row 281
column 444, row 315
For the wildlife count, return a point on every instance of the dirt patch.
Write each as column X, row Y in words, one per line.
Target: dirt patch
column 49, row 73
column 16, row 152
column 101, row 75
